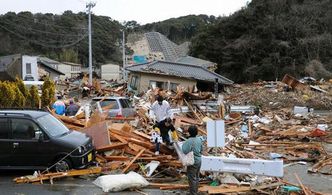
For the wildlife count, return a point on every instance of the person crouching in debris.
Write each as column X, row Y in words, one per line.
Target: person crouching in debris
column 59, row 106
column 193, row 144
column 161, row 135
column 72, row 109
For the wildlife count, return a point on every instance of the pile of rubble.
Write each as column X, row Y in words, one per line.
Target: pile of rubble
column 263, row 121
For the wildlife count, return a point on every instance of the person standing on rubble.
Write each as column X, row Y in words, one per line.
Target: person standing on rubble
column 160, row 110
column 162, row 129
column 194, row 144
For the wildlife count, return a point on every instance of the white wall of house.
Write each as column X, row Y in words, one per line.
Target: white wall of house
column 143, row 81
column 65, row 68
column 29, row 67
column 110, row 71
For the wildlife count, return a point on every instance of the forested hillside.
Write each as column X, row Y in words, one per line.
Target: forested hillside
column 180, row 29
column 269, row 38
column 61, row 37
column 263, row 40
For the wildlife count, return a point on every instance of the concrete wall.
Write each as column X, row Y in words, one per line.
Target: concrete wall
column 110, row 71
column 144, row 80
column 34, row 68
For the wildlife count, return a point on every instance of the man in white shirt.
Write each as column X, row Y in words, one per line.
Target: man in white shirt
column 160, row 110
column 160, row 113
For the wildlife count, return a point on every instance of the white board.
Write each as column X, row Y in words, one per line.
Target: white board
column 215, row 133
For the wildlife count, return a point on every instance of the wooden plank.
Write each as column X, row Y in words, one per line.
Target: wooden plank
column 250, row 126
column 118, row 137
column 117, row 158
column 142, row 143
column 50, row 176
column 138, row 148
column 265, row 129
column 158, row 185
column 134, row 153
column 174, row 163
column 127, row 134
column 193, row 111
column 99, row 133
column 112, row 147
column 132, row 161
column 121, row 118
column 157, row 158
column 100, row 158
column 143, row 135
column 222, row 189
column 302, row 186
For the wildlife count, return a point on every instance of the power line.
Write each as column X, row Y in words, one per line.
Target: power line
column 42, row 43
column 35, row 20
column 36, row 30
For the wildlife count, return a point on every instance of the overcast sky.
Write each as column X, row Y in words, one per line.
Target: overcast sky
column 143, row 11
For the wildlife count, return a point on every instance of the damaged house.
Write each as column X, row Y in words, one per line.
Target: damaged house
column 169, row 75
column 28, row 68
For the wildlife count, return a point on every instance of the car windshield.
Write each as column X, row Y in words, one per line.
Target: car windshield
column 125, row 103
column 52, row 125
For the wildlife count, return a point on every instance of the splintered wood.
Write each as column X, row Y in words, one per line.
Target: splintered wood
column 130, row 147
column 50, row 176
column 271, row 130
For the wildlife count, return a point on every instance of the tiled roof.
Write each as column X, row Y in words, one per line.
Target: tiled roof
column 51, row 64
column 160, row 43
column 195, row 61
column 180, row 70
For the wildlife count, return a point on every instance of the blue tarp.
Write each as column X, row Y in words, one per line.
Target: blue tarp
column 139, row 59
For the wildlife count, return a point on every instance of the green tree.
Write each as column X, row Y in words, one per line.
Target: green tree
column 267, row 39
column 7, row 94
column 48, row 92
column 45, row 98
column 20, row 100
column 34, row 98
column 23, row 89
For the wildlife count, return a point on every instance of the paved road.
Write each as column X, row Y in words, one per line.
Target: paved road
column 64, row 186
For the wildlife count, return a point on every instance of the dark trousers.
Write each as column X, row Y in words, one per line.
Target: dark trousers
column 165, row 140
column 193, row 178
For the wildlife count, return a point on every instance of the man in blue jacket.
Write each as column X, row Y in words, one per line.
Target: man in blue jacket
column 59, row 106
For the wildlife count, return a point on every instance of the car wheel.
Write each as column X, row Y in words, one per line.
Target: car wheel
column 63, row 165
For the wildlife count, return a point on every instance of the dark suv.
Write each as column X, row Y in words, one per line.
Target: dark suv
column 37, row 140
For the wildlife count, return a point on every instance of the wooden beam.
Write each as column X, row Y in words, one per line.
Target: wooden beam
column 132, row 161
column 117, row 158
column 118, row 137
column 51, row 176
column 111, row 147
column 302, row 186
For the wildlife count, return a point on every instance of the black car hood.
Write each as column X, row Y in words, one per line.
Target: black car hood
column 74, row 138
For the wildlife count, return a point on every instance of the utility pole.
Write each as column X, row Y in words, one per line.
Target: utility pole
column 90, row 6
column 124, row 56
